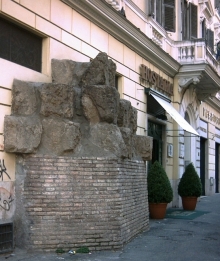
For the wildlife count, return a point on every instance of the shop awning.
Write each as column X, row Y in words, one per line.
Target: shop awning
column 174, row 114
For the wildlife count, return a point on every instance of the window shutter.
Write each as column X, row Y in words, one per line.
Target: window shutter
column 169, row 15
column 203, row 30
column 184, row 20
column 151, row 8
column 210, row 39
column 193, row 20
column 159, row 11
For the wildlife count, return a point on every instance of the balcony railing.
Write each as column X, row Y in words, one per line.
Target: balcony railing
column 195, row 51
column 185, row 52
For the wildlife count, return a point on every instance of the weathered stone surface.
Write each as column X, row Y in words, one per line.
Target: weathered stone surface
column 143, row 146
column 59, row 136
column 100, row 72
column 108, row 137
column 90, row 110
column 81, row 113
column 127, row 115
column 133, row 120
column 78, row 110
column 67, row 71
column 57, row 99
column 128, row 140
column 124, row 113
column 23, row 134
column 24, row 98
column 100, row 103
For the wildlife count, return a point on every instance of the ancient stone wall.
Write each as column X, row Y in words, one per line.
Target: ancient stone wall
column 80, row 170
column 71, row 202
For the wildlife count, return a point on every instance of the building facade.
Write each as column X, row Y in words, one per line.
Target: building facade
column 167, row 66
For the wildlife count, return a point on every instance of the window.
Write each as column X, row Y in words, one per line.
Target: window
column 208, row 36
column 210, row 39
column 189, row 20
column 163, row 11
column 20, row 46
column 217, row 6
column 155, row 130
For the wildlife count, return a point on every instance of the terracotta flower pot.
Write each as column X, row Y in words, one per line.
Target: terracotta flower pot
column 189, row 203
column 157, row 210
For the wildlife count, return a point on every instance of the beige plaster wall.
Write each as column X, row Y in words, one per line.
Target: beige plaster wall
column 73, row 37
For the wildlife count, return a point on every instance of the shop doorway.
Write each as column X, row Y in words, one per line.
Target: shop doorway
column 217, row 168
column 202, row 163
column 155, row 131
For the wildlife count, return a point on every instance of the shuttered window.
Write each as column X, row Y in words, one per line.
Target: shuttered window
column 159, row 11
column 169, row 15
column 189, row 21
column 163, row 11
column 210, row 39
column 151, row 8
column 20, row 46
column 193, row 20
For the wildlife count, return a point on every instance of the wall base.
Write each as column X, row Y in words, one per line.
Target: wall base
column 66, row 202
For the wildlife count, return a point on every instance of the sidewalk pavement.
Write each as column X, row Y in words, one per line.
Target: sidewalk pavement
column 167, row 240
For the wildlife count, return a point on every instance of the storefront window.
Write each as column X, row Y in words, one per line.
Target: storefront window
column 155, row 131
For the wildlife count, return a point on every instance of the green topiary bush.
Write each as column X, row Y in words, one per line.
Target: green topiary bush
column 158, row 184
column 190, row 183
column 82, row 249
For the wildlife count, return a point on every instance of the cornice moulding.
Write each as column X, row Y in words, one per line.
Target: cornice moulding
column 204, row 79
column 104, row 16
column 213, row 102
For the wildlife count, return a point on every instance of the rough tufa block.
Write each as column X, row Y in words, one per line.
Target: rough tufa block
column 56, row 100
column 101, row 71
column 68, row 72
column 100, row 103
column 144, row 146
column 60, row 136
column 23, row 134
column 108, row 137
column 24, row 98
column 127, row 116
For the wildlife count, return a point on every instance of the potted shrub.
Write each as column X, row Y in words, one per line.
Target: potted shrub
column 190, row 187
column 160, row 192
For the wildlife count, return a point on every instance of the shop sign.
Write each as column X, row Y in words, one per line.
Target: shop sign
column 154, row 79
column 203, row 127
column 211, row 117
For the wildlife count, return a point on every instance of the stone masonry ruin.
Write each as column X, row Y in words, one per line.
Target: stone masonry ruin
column 80, row 167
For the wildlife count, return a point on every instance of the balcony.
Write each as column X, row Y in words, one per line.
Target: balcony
column 195, row 52
column 199, row 67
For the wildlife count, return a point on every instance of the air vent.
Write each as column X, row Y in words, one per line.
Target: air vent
column 6, row 237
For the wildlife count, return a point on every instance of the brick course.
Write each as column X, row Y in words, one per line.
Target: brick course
column 70, row 202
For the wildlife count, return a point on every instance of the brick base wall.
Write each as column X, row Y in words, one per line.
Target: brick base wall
column 67, row 202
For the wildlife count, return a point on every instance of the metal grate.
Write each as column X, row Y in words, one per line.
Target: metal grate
column 6, row 237
column 20, row 46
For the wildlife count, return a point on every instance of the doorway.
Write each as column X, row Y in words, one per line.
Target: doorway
column 216, row 168
column 202, row 163
column 155, row 131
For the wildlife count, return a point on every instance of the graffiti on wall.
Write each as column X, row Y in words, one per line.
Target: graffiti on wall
column 7, row 200
column 3, row 170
